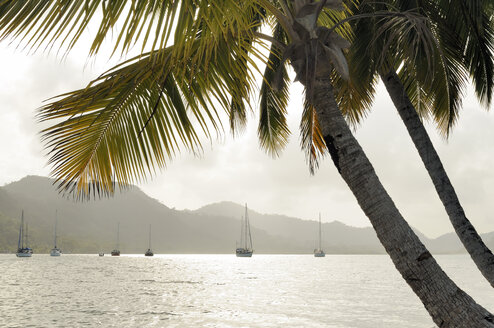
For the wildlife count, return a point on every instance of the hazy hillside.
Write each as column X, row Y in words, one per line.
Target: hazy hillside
column 90, row 227
column 338, row 237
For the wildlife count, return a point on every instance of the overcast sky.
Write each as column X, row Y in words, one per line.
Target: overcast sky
column 237, row 170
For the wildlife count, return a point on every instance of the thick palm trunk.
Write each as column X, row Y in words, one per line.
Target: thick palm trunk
column 447, row 304
column 481, row 255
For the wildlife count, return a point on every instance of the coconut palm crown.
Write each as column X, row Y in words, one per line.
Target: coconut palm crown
column 427, row 82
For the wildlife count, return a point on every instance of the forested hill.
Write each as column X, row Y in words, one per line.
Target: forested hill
column 90, row 227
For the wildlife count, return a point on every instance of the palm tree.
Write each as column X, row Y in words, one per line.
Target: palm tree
column 137, row 115
column 465, row 45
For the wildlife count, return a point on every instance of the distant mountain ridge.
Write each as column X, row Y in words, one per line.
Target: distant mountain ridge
column 90, row 227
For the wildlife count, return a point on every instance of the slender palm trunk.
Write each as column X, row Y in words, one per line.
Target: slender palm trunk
column 480, row 253
column 447, row 304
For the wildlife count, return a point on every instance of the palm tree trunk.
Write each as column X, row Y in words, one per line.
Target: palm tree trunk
column 480, row 253
column 447, row 304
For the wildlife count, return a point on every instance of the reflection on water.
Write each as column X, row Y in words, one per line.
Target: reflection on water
column 218, row 291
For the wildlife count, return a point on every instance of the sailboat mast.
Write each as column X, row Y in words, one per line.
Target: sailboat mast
column 27, row 244
column 56, row 221
column 320, row 231
column 118, row 235
column 149, row 237
column 21, row 240
column 247, row 228
column 242, row 228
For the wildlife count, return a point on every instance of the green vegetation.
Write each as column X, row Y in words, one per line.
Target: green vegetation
column 9, row 234
column 41, row 242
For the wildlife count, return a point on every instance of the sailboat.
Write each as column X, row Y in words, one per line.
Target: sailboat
column 55, row 251
column 149, row 252
column 319, row 252
column 245, row 249
column 21, row 250
column 116, row 251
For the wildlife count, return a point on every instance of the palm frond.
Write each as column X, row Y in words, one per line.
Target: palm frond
column 134, row 118
column 60, row 24
column 355, row 95
column 99, row 136
column 273, row 129
column 203, row 26
column 457, row 41
column 150, row 24
column 426, row 52
column 312, row 141
column 471, row 22
column 440, row 93
column 240, row 100
column 421, row 99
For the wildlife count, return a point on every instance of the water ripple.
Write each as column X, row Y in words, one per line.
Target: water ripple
column 218, row 291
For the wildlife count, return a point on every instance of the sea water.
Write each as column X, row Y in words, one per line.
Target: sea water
column 218, row 291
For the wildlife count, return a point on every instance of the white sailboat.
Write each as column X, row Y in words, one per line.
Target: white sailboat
column 319, row 252
column 116, row 251
column 55, row 251
column 149, row 252
column 23, row 250
column 245, row 249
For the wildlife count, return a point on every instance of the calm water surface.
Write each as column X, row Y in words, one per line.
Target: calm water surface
column 218, row 291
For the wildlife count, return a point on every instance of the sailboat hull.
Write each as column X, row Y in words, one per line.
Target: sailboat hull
column 24, row 253
column 55, row 252
column 319, row 254
column 244, row 254
column 240, row 252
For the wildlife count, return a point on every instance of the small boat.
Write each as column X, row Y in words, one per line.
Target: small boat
column 101, row 254
column 149, row 252
column 319, row 252
column 116, row 251
column 55, row 251
column 23, row 250
column 245, row 249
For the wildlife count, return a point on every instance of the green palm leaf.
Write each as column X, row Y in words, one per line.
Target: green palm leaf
column 148, row 23
column 475, row 35
column 273, row 129
column 134, row 118
column 103, row 121
column 433, row 54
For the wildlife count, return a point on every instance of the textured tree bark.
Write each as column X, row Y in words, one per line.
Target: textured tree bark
column 447, row 304
column 480, row 253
